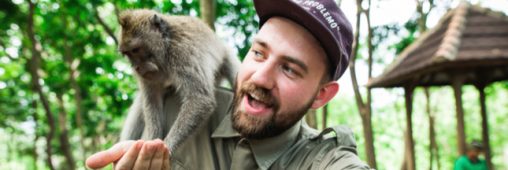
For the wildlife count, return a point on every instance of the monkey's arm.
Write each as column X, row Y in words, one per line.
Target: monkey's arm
column 134, row 123
column 198, row 103
column 153, row 110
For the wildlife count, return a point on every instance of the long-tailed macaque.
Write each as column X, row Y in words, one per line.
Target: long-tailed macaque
column 179, row 53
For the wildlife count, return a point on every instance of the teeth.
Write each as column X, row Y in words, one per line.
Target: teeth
column 254, row 96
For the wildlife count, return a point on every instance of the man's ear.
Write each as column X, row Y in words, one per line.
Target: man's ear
column 161, row 25
column 325, row 94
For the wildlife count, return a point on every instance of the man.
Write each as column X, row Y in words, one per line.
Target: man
column 471, row 161
column 300, row 51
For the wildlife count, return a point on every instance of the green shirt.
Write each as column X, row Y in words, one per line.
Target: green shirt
column 299, row 147
column 463, row 163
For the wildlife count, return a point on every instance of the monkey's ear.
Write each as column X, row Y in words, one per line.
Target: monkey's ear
column 124, row 18
column 161, row 25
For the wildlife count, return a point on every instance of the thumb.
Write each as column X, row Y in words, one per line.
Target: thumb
column 103, row 158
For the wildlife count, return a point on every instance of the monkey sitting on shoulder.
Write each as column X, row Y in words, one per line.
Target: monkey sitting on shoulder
column 172, row 52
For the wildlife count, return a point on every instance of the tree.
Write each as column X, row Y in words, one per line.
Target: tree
column 364, row 107
column 422, row 28
column 207, row 8
column 34, row 66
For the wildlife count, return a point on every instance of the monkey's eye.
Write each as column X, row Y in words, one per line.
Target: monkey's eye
column 125, row 54
column 135, row 50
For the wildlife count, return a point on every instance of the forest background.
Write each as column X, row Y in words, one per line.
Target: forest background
column 65, row 90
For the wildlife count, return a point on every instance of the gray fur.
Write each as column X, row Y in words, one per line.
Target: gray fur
column 177, row 52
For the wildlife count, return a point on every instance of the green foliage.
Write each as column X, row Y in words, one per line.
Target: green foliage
column 411, row 27
column 69, row 35
column 239, row 16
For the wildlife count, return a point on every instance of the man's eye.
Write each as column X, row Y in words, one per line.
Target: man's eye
column 290, row 72
column 257, row 54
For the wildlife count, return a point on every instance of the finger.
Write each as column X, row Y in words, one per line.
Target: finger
column 166, row 160
column 145, row 156
column 103, row 158
column 158, row 157
column 127, row 160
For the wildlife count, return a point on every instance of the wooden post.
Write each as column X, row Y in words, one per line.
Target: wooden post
column 485, row 125
column 461, row 135
column 408, row 92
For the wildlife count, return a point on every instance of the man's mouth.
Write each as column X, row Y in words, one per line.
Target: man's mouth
column 256, row 101
column 255, row 105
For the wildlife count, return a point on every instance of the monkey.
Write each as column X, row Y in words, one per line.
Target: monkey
column 172, row 53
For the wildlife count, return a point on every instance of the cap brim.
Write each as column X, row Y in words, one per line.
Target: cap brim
column 270, row 8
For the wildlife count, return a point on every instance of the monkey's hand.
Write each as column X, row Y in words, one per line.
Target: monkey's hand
column 137, row 155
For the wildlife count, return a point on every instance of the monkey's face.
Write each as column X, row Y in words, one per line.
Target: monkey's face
column 141, row 58
column 143, row 41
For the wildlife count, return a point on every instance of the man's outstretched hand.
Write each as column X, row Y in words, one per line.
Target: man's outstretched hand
column 132, row 155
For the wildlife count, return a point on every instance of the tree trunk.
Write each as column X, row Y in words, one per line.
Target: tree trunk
column 72, row 65
column 369, row 139
column 485, row 126
column 367, row 116
column 95, row 144
column 34, row 65
column 36, row 138
column 461, row 135
column 65, row 145
column 410, row 151
column 207, row 8
column 422, row 27
column 422, row 19
column 431, row 127
column 324, row 117
column 97, row 141
column 310, row 118
column 433, row 149
column 108, row 30
column 364, row 108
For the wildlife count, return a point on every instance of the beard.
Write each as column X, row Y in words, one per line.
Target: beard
column 253, row 127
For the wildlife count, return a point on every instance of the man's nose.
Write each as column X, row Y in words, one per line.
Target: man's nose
column 264, row 76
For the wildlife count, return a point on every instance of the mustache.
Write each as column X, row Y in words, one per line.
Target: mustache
column 262, row 94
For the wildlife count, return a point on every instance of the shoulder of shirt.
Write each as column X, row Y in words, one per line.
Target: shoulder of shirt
column 317, row 150
column 224, row 99
column 462, row 159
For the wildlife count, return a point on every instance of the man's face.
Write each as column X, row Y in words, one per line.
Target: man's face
column 474, row 153
column 279, row 79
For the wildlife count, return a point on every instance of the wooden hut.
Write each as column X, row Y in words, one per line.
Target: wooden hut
column 469, row 45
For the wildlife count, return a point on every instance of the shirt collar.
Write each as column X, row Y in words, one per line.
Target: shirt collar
column 225, row 129
column 266, row 151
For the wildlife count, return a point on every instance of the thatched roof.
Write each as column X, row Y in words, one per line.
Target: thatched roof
column 469, row 40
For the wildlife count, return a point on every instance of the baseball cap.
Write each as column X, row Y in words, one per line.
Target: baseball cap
column 323, row 19
column 476, row 144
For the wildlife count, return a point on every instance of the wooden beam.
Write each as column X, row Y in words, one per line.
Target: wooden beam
column 485, row 128
column 457, row 83
column 408, row 93
column 483, row 82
